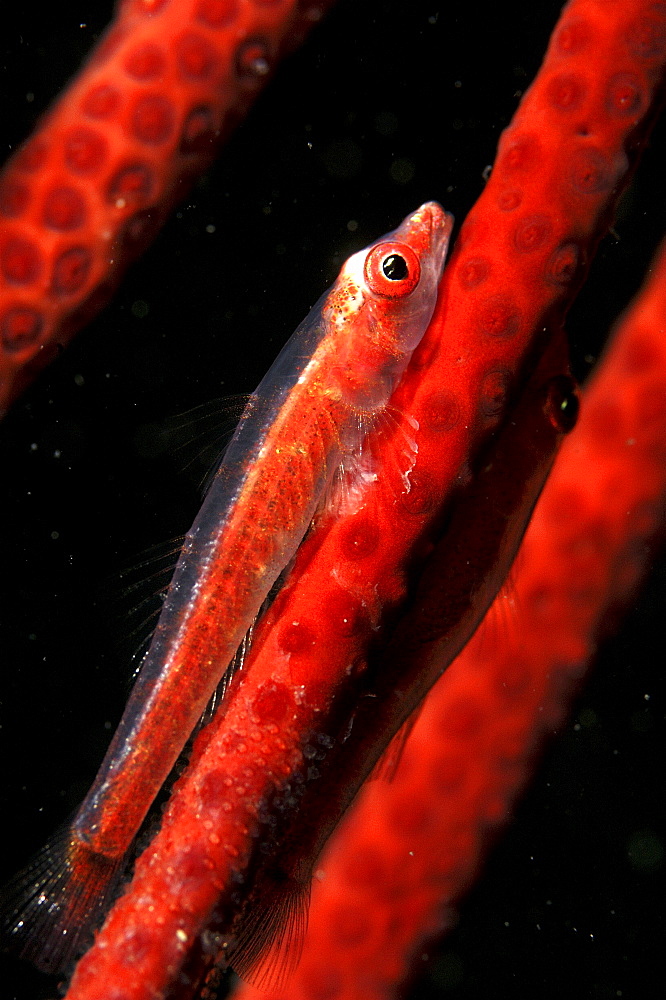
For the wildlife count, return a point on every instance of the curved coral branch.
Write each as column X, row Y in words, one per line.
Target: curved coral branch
column 393, row 875
column 92, row 185
column 133, row 361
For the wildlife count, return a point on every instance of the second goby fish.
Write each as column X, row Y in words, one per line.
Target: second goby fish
column 307, row 420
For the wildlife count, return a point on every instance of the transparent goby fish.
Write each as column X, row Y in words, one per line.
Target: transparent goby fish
column 304, row 425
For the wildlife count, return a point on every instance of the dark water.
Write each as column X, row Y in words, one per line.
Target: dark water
column 388, row 105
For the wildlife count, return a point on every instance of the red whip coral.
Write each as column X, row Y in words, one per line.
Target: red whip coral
column 92, row 185
column 394, row 872
column 339, row 157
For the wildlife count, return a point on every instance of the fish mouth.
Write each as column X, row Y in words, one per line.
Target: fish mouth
column 428, row 230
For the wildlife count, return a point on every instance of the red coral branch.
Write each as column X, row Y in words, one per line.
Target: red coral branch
column 393, row 875
column 322, row 621
column 94, row 183
column 420, row 105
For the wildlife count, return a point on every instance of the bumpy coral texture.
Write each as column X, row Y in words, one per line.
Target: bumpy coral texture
column 520, row 257
column 94, row 183
column 393, row 873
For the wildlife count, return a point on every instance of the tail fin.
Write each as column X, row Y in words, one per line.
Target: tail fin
column 50, row 908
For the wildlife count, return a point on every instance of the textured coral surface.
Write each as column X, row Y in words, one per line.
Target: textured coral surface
column 356, row 129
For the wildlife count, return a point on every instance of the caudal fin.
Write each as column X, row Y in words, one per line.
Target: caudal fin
column 50, row 908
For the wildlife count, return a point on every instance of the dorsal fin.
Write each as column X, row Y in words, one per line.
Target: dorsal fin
column 197, row 439
column 137, row 591
column 269, row 941
column 502, row 617
column 387, row 766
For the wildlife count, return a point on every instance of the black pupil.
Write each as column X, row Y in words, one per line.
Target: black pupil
column 569, row 408
column 395, row 267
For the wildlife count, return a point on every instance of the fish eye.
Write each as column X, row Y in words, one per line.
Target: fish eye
column 562, row 403
column 395, row 267
column 392, row 270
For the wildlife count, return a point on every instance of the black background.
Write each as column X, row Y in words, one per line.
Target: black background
column 362, row 125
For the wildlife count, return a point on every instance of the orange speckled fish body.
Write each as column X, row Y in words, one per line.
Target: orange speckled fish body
column 307, row 419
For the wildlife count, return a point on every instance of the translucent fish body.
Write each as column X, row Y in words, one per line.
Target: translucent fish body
column 328, row 386
column 307, row 419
